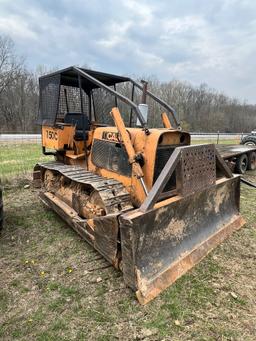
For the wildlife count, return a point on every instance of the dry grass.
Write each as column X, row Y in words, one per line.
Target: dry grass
column 54, row 286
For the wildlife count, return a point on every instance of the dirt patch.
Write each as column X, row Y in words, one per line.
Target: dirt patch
column 176, row 228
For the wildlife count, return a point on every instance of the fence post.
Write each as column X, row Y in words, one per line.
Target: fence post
column 218, row 137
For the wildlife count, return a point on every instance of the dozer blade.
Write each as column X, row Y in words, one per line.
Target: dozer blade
column 161, row 243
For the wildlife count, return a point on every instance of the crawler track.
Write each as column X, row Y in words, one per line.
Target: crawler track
column 113, row 194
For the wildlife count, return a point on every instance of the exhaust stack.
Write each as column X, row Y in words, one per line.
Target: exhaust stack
column 143, row 107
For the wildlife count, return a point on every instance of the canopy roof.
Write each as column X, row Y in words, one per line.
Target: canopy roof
column 69, row 77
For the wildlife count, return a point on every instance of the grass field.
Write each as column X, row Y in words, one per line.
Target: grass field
column 54, row 286
column 19, row 159
column 214, row 140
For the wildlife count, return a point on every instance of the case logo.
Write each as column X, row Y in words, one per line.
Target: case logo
column 111, row 136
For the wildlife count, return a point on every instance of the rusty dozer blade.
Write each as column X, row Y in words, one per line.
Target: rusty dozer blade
column 161, row 241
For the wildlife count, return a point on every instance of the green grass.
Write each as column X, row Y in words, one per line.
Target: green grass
column 214, row 140
column 17, row 159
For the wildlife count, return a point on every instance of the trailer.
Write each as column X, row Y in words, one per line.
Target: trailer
column 238, row 157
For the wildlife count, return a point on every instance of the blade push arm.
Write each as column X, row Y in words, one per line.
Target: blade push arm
column 136, row 168
column 166, row 121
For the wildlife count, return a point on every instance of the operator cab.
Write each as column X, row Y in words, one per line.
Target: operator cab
column 69, row 94
column 75, row 97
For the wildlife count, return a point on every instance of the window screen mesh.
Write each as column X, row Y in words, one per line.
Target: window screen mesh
column 49, row 91
column 104, row 102
column 69, row 101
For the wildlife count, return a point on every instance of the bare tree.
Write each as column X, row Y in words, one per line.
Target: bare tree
column 10, row 64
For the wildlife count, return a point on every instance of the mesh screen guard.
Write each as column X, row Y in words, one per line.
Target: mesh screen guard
column 196, row 169
column 48, row 99
column 70, row 101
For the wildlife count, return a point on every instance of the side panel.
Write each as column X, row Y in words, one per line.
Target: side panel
column 155, row 244
column 56, row 138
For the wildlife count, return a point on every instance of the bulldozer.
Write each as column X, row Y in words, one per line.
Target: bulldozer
column 148, row 201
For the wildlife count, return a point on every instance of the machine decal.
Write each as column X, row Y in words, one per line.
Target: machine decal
column 52, row 135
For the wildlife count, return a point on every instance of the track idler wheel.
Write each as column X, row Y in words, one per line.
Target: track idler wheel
column 89, row 206
column 51, row 181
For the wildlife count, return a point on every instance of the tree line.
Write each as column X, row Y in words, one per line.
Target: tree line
column 199, row 108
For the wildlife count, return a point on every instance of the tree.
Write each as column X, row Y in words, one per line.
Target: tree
column 10, row 64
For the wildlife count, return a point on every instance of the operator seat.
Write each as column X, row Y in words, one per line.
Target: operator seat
column 81, row 122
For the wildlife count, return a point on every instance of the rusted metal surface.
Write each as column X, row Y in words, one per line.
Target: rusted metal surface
column 188, row 261
column 197, row 168
column 157, row 244
column 222, row 166
column 154, row 241
column 75, row 194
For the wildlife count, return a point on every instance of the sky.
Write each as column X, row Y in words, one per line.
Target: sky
column 199, row 41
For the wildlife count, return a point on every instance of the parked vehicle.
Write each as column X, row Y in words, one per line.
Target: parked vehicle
column 249, row 140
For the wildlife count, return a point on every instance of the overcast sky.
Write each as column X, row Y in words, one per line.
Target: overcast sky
column 195, row 40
